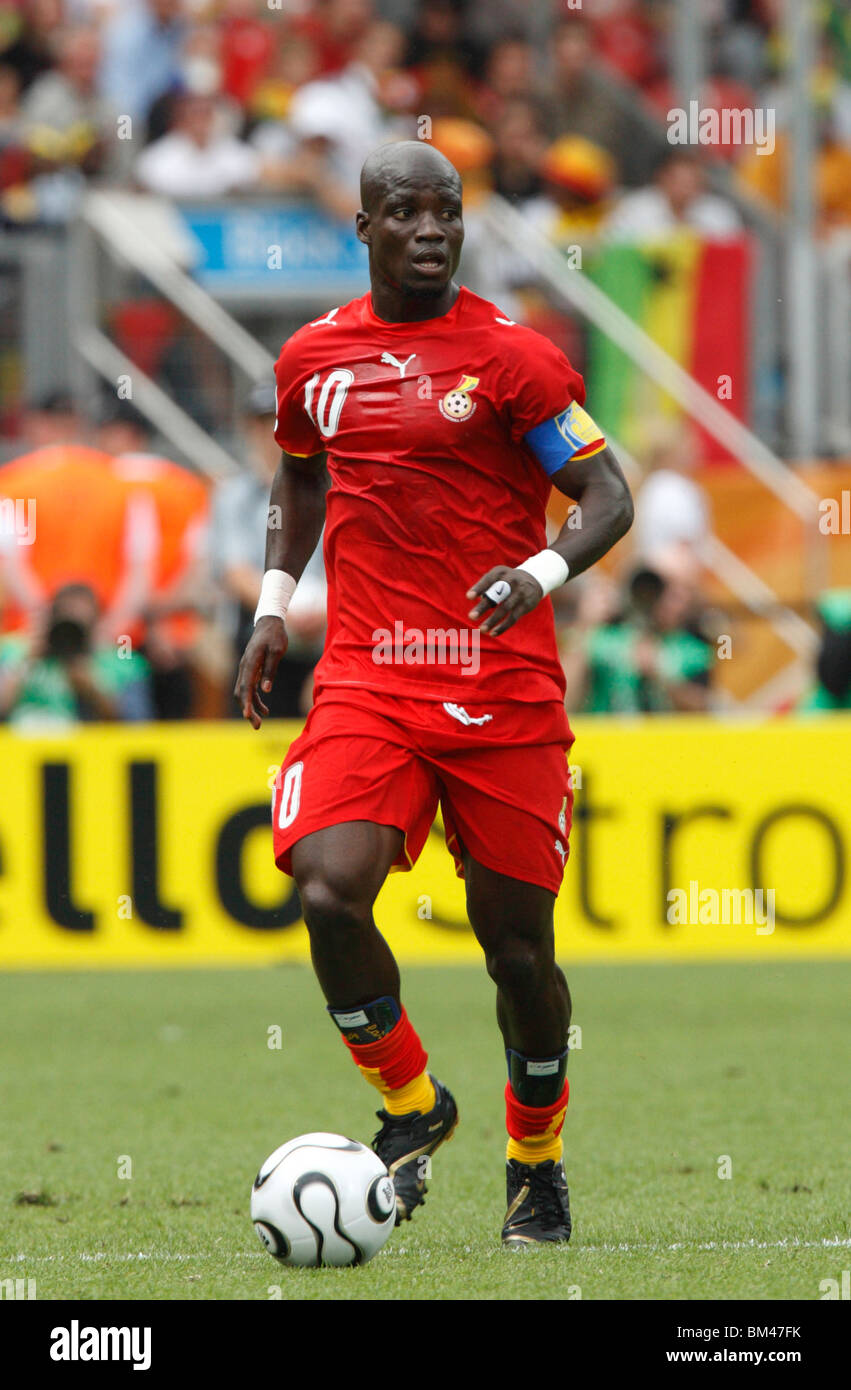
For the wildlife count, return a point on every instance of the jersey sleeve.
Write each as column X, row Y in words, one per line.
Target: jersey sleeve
column 544, row 396
column 538, row 381
column 295, row 431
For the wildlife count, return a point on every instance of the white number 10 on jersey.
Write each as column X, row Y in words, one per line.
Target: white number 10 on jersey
column 331, row 400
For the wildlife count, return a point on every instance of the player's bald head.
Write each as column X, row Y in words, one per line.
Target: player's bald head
column 392, row 167
column 412, row 222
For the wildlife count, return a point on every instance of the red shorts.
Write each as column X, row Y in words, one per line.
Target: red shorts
column 502, row 785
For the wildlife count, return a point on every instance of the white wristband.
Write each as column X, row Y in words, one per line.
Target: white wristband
column 548, row 568
column 276, row 592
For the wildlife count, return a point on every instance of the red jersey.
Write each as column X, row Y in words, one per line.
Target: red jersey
column 432, row 485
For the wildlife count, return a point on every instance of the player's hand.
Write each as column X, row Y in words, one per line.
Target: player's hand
column 524, row 593
column 260, row 660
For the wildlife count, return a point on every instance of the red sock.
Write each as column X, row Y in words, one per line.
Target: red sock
column 395, row 1059
column 535, row 1130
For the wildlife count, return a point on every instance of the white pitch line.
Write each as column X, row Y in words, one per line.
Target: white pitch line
column 827, row 1242
column 734, row 1246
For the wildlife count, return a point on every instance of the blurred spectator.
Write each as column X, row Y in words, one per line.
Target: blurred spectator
column 574, row 180
column 676, row 198
column 294, row 62
column 469, row 147
column 173, row 585
column 52, row 419
column 717, row 94
column 248, row 49
column 16, row 164
column 509, row 77
column 651, row 660
column 585, row 101
column 88, row 529
column 443, row 59
column 767, row 175
column 142, row 45
column 194, row 160
column 832, row 690
column 26, row 38
column 65, row 101
column 202, row 74
column 440, row 35
column 485, row 25
column 520, row 143
column 830, row 93
column 336, row 27
column 338, row 120
column 579, row 179
column 740, row 46
column 670, row 507
column 62, row 674
column 833, row 183
column 11, row 120
column 71, row 129
column 238, row 547
column 121, row 429
column 625, row 39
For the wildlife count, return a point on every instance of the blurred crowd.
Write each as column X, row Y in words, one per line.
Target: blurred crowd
column 136, row 593
column 128, row 585
column 220, row 97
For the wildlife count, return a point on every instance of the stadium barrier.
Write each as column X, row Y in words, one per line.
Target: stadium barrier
column 151, row 846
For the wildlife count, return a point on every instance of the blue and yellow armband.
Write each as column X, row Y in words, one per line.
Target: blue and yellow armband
column 570, row 435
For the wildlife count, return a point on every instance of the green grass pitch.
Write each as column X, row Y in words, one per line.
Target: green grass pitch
column 680, row 1066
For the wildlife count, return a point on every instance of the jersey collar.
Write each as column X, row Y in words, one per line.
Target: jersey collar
column 371, row 318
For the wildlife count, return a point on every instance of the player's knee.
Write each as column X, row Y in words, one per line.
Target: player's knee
column 519, row 967
column 332, row 905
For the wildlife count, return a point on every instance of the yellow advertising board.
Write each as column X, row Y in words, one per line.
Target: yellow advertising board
column 693, row 838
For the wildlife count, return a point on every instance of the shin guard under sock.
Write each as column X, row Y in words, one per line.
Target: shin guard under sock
column 389, row 1054
column 535, row 1105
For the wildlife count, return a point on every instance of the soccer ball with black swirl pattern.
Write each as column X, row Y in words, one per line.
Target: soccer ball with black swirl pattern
column 322, row 1199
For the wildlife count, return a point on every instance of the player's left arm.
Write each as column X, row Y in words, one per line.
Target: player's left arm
column 597, row 485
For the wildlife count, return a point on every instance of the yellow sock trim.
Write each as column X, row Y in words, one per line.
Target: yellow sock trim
column 538, row 1149
column 415, row 1095
column 371, row 1074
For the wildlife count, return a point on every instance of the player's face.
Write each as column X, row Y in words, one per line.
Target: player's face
column 415, row 233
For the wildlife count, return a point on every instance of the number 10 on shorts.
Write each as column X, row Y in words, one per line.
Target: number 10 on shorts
column 290, row 795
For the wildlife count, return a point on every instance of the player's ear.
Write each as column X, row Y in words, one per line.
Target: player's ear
column 362, row 227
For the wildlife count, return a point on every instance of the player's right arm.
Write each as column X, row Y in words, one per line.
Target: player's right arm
column 294, row 523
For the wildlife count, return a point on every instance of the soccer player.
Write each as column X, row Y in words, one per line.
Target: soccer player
column 444, row 426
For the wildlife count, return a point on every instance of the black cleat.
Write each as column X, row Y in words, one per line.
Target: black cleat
column 538, row 1204
column 405, row 1141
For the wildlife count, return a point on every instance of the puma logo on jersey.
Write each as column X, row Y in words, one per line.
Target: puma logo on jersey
column 329, row 318
column 394, row 361
column 458, row 712
column 560, row 850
